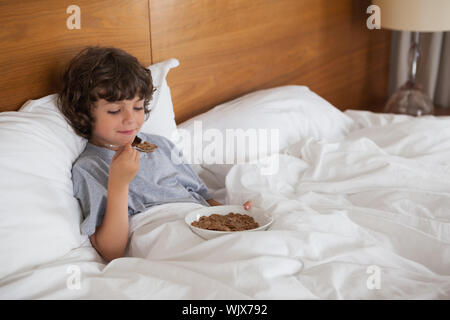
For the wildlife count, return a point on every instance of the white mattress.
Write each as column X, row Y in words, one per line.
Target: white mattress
column 364, row 218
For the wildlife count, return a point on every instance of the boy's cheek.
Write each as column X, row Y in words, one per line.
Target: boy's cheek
column 141, row 123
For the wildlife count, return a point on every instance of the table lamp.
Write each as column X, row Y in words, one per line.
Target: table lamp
column 415, row 16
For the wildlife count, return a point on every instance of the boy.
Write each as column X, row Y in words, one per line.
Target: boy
column 104, row 96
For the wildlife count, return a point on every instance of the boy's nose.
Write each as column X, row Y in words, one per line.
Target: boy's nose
column 129, row 116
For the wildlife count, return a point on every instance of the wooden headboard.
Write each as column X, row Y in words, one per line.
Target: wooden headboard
column 226, row 48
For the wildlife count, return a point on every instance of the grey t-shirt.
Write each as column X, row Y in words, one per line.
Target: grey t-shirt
column 159, row 180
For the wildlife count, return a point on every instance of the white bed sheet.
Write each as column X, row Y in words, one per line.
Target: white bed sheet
column 378, row 200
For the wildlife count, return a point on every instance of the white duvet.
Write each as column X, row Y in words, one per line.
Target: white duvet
column 364, row 218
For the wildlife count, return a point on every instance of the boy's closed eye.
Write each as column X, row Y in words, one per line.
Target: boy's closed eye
column 117, row 111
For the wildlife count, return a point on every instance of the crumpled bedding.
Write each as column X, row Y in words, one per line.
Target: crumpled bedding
column 363, row 218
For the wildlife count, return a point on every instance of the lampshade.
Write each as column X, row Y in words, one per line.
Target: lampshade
column 415, row 15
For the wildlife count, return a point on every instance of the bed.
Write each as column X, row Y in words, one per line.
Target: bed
column 359, row 198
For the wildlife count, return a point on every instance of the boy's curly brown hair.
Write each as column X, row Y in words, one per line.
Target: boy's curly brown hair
column 101, row 73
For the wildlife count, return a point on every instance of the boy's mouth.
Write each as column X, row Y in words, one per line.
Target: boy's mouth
column 127, row 132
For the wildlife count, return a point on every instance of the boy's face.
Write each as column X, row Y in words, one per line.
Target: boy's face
column 118, row 122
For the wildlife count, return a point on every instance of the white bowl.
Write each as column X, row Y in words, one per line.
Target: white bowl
column 264, row 220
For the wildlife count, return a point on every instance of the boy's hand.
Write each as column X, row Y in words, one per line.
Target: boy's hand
column 124, row 165
column 247, row 204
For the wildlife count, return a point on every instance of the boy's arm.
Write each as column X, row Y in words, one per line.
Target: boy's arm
column 110, row 239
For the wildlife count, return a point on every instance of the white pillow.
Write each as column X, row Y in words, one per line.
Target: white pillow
column 39, row 216
column 161, row 120
column 295, row 111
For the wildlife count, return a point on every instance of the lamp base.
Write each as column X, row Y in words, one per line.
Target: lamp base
column 410, row 99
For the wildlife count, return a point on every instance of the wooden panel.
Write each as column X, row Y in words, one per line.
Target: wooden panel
column 230, row 47
column 226, row 48
column 36, row 43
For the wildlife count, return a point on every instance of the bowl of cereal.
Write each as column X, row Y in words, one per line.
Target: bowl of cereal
column 211, row 222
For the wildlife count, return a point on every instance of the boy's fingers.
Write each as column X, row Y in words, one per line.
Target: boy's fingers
column 128, row 148
column 124, row 148
column 118, row 152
